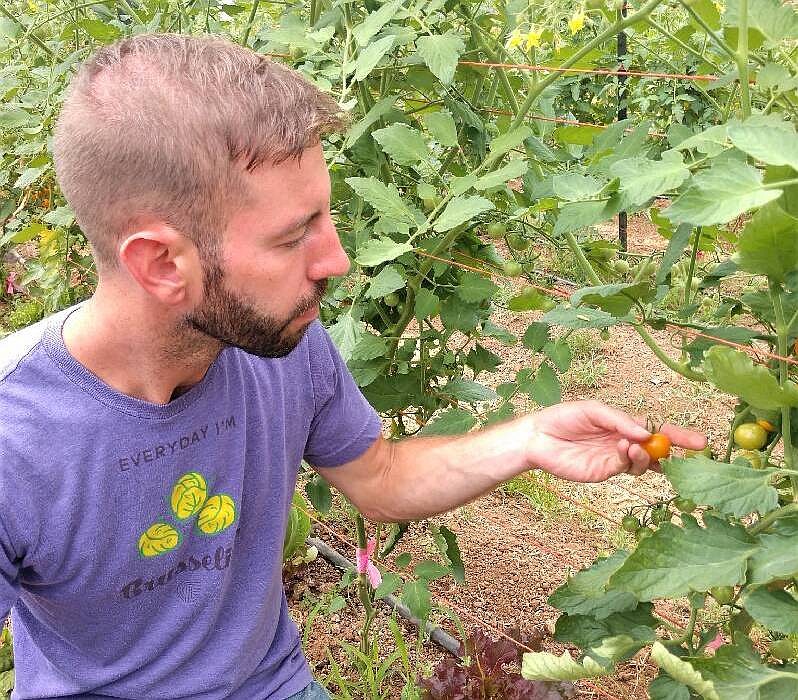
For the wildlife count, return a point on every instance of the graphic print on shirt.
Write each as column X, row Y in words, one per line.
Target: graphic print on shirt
column 190, row 503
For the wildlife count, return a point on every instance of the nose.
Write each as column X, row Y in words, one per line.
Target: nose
column 328, row 258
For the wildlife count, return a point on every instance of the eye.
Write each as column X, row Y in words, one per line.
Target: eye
column 296, row 242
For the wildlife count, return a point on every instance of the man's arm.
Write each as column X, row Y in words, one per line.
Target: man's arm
column 419, row 477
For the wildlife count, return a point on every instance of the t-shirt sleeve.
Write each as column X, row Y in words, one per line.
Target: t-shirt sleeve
column 344, row 425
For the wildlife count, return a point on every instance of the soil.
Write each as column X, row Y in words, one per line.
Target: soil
column 517, row 550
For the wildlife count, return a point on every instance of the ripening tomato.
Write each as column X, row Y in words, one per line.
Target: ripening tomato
column 496, row 230
column 750, row 436
column 767, row 425
column 658, row 446
column 723, row 594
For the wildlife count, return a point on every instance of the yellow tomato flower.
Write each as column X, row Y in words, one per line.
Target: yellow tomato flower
column 533, row 38
column 515, row 39
column 577, row 21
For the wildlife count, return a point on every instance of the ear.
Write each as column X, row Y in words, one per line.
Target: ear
column 164, row 262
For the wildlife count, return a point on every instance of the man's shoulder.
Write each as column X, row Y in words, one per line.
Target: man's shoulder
column 14, row 348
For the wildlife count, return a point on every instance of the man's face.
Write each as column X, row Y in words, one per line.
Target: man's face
column 276, row 257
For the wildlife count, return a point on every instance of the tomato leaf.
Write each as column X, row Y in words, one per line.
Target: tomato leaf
column 777, row 555
column 734, row 372
column 459, row 210
column 677, row 560
column 380, row 250
column 769, row 243
column 442, row 127
column 777, row 610
column 453, row 421
column 441, row 53
column 683, row 672
column 616, row 299
column 404, row 144
column 642, row 179
column 771, row 140
column 732, row 489
column 385, row 200
column 388, row 280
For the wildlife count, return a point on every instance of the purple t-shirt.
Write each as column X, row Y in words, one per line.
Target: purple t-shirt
column 140, row 544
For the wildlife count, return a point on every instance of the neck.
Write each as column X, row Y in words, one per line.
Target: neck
column 137, row 348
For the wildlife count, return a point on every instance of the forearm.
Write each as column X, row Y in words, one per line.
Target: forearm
column 424, row 476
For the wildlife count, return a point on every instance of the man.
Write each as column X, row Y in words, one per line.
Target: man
column 152, row 435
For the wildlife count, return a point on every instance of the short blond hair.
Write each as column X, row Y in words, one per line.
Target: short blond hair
column 166, row 126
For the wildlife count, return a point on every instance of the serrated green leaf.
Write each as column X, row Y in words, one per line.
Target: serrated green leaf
column 734, row 372
column 404, row 144
column 772, row 19
column 452, row 553
column 375, row 21
column 616, row 299
column 777, row 555
column 442, row 127
column 586, row 631
column 737, row 673
column 513, row 169
column 427, row 304
column 319, row 494
column 380, row 250
column 769, row 243
column 63, row 217
column 731, row 489
column 718, row 195
column 102, row 32
column 542, row 666
column 371, row 56
column 559, row 352
column 12, row 116
column 530, row 299
column 642, row 179
column 777, row 610
column 459, row 210
column 391, row 583
column 467, row 390
column 441, row 53
column 536, row 336
column 683, row 672
column 578, row 215
column 505, row 142
column 545, row 389
column 459, row 315
column 474, row 287
column 453, row 421
column 663, row 687
column 379, row 110
column 581, row 317
column 370, row 347
column 586, row 593
column 388, row 280
column 346, row 333
column 573, row 187
column 769, row 143
column 416, row 596
column 675, row 561
column 429, row 570
column 385, row 200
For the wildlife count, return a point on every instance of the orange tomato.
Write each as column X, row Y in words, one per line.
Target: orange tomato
column 658, row 446
column 767, row 425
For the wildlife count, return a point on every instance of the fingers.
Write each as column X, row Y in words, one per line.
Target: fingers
column 682, row 437
column 640, row 459
column 614, row 419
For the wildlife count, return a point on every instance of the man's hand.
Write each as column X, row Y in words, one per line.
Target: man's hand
column 590, row 441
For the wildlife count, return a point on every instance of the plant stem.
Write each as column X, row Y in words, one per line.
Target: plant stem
column 742, row 59
column 772, row 517
column 781, row 333
column 363, row 590
column 250, row 21
column 689, row 284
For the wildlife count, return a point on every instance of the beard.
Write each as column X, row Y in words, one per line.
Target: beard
column 231, row 320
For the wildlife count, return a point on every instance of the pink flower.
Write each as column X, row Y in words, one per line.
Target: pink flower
column 366, row 566
column 716, row 643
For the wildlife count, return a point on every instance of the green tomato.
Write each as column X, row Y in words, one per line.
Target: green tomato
column 512, row 268
column 685, row 505
column 643, row 533
column 750, row 436
column 496, row 230
column 391, row 299
column 604, row 334
column 630, row 523
column 659, row 515
column 517, row 242
column 723, row 594
column 296, row 53
column 621, row 266
column 782, row 649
